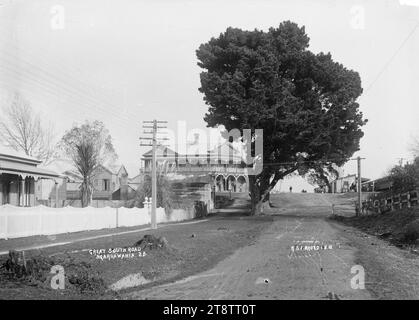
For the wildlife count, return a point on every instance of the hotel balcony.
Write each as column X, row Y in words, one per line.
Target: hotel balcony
column 203, row 169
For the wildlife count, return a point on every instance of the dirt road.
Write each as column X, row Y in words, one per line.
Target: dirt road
column 268, row 269
column 235, row 256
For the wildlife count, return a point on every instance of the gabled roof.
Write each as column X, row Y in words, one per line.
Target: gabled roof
column 109, row 168
column 226, row 151
column 122, row 171
column 161, row 151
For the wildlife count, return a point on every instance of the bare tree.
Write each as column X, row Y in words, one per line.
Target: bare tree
column 22, row 129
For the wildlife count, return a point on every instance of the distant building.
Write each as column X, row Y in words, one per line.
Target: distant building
column 109, row 183
column 346, row 184
column 223, row 165
column 378, row 185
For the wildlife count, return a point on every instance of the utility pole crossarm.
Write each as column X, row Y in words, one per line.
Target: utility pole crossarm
column 153, row 143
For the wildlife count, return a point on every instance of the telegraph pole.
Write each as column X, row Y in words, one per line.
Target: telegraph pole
column 154, row 125
column 358, row 159
column 154, row 180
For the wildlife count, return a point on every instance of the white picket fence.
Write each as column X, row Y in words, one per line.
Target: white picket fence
column 18, row 222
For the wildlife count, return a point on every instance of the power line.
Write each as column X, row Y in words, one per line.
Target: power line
column 391, row 59
column 89, row 93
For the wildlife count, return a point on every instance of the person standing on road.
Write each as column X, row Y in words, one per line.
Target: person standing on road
column 290, row 189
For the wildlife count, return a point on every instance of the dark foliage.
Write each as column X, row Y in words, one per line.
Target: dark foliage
column 304, row 102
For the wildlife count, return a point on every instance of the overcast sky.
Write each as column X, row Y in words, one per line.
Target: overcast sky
column 123, row 62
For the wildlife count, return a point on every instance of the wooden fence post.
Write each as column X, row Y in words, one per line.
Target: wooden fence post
column 400, row 201
column 408, row 200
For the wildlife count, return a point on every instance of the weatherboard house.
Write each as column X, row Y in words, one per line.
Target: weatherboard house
column 21, row 178
column 110, row 182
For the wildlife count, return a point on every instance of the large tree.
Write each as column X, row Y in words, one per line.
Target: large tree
column 88, row 145
column 304, row 102
column 22, row 129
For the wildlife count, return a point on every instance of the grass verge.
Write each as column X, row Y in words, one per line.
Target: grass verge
column 188, row 249
column 400, row 227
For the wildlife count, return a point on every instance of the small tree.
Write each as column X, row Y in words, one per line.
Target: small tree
column 88, row 145
column 164, row 188
column 22, row 129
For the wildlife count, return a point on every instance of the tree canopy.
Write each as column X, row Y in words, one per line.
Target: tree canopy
column 88, row 145
column 405, row 178
column 304, row 102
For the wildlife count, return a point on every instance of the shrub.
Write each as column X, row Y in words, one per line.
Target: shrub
column 411, row 232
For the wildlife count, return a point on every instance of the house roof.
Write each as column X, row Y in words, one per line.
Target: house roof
column 16, row 162
column 224, row 151
column 25, row 169
column 363, row 179
column 162, row 151
column 74, row 176
column 136, row 180
column 60, row 165
column 66, row 167
column 122, row 170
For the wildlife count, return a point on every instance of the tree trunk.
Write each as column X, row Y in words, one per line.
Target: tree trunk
column 260, row 192
column 86, row 194
column 258, row 195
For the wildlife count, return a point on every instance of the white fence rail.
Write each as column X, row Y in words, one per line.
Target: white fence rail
column 18, row 222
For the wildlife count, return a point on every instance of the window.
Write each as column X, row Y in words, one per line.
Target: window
column 106, row 185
